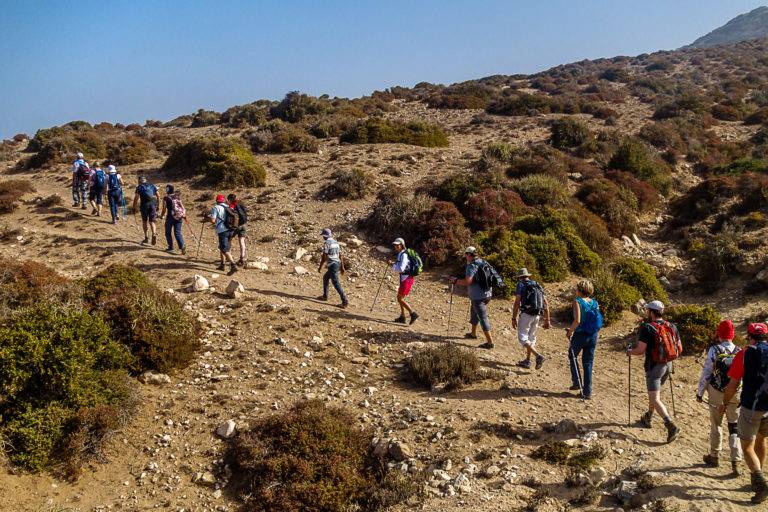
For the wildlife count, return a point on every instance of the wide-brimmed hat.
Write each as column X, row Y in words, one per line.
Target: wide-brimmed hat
column 326, row 233
column 523, row 272
column 399, row 241
column 111, row 169
column 655, row 305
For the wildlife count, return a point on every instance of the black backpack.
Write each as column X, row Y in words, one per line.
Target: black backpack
column 241, row 213
column 532, row 298
column 722, row 363
column 231, row 219
column 488, row 277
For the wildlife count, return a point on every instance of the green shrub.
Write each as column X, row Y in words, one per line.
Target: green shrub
column 743, row 166
column 128, row 150
column 759, row 116
column 113, row 280
column 397, row 213
column 506, row 251
column 381, row 131
column 613, row 295
column 332, row 125
column 500, row 151
column 217, row 161
column 554, row 452
column 205, row 118
column 446, row 364
column 537, row 159
column 349, row 184
column 617, row 205
column 583, row 261
column 646, row 196
column 459, row 188
column 252, row 114
column 59, row 144
column 590, row 228
column 541, row 190
column 642, row 276
column 568, row 132
column 696, row 324
column 716, row 260
column 279, row 137
column 520, row 104
column 638, row 159
column 551, row 255
column 296, row 106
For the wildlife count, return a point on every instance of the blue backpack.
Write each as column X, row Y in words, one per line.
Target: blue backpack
column 591, row 317
column 99, row 179
column 114, row 184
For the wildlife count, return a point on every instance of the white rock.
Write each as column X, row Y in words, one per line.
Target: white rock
column 200, row 284
column 235, row 289
column 382, row 249
column 227, row 429
column 300, row 271
column 154, row 378
column 299, row 253
column 257, row 265
column 354, row 242
column 636, row 240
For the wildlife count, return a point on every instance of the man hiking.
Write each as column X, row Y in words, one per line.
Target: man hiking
column 480, row 293
column 81, row 175
column 174, row 208
column 530, row 304
column 147, row 198
column 714, row 379
column 582, row 337
column 332, row 258
column 222, row 218
column 659, row 340
column 242, row 214
column 114, row 192
column 403, row 265
column 98, row 187
column 750, row 368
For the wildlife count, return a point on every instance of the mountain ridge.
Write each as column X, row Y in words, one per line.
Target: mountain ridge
column 750, row 25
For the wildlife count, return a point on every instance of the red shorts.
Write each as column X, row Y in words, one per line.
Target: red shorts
column 405, row 286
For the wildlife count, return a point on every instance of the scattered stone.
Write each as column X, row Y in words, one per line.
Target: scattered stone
column 399, row 451
column 200, row 284
column 382, row 249
column 566, row 426
column 235, row 289
column 299, row 253
column 257, row 265
column 492, row 471
column 206, row 478
column 598, row 475
column 625, row 491
column 156, row 379
column 227, row 429
column 636, row 240
column 300, row 271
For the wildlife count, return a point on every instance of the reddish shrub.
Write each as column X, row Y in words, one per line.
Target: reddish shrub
column 444, row 233
column 491, row 208
column 648, row 197
column 617, row 205
column 759, row 116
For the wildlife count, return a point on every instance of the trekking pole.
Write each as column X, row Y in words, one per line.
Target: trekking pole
column 450, row 309
column 383, row 277
column 191, row 232
column 672, row 390
column 200, row 240
column 629, row 390
column 578, row 370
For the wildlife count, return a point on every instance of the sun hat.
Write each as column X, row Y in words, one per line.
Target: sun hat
column 221, row 199
column 725, row 330
column 399, row 241
column 655, row 305
column 523, row 272
column 758, row 329
column 326, row 233
column 79, row 155
column 142, row 179
column 471, row 250
column 111, row 169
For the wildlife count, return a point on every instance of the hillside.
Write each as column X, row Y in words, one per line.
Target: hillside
column 646, row 174
column 751, row 25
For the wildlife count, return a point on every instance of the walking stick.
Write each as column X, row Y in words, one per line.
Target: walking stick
column 672, row 391
column 383, row 276
column 629, row 390
column 200, row 240
column 191, row 232
column 450, row 308
column 578, row 370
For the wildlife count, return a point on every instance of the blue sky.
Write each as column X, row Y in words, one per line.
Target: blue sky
column 127, row 61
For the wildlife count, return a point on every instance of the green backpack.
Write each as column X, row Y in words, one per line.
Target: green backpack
column 415, row 265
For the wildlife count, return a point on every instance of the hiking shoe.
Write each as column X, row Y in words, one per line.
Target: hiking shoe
column 711, row 461
column 586, row 397
column 184, row 250
column 400, row 319
column 94, row 211
column 414, row 317
column 344, row 305
column 241, row 262
column 232, row 269
column 169, row 250
column 486, row 345
column 672, row 432
column 574, row 388
column 221, row 267
column 322, row 298
column 154, row 239
column 75, row 205
column 525, row 363
column 645, row 420
column 539, row 362
column 735, row 468
column 760, row 486
column 470, row 336
column 146, row 240
column 83, row 207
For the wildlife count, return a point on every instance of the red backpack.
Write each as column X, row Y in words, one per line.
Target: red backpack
column 667, row 346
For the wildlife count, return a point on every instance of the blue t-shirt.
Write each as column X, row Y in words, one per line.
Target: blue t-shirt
column 219, row 215
column 475, row 291
column 147, row 193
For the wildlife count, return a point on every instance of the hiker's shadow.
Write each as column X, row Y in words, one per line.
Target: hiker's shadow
column 392, row 337
column 345, row 314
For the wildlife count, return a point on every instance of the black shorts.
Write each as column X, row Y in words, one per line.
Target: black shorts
column 96, row 195
column 148, row 212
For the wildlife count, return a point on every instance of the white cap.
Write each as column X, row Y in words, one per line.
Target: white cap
column 79, row 155
column 399, row 241
column 471, row 250
column 655, row 305
column 111, row 169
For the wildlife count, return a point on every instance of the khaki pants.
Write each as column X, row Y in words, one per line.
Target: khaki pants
column 716, row 424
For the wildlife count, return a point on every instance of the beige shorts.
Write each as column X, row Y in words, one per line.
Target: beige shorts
column 752, row 423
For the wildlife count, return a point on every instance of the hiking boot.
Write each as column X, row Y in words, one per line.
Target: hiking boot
column 146, row 240
column 575, row 387
column 711, row 461
column 232, row 269
column 94, row 211
column 75, row 205
column 154, row 239
column 169, row 250
column 760, row 486
column 672, row 432
column 735, row 468
column 344, row 305
column 184, row 250
column 470, row 336
column 539, row 362
column 322, row 298
column 83, row 207
column 645, row 420
column 221, row 267
column 241, row 262
column 400, row 319
column 486, row 345
column 414, row 317
column 525, row 363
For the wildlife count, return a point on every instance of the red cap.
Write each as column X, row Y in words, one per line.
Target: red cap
column 725, row 330
column 757, row 329
column 220, row 198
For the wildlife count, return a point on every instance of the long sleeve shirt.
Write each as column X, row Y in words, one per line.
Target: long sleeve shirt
column 709, row 365
column 401, row 265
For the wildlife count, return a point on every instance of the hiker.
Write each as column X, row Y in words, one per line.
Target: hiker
column 407, row 269
column 530, row 303
column 480, row 293
column 221, row 217
column 582, row 337
column 713, row 380
column 146, row 195
column 659, row 340
column 98, row 187
column 242, row 213
column 114, row 191
column 335, row 264
column 174, row 208
column 81, row 175
column 750, row 368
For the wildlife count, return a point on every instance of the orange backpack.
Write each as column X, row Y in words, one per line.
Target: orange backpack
column 668, row 346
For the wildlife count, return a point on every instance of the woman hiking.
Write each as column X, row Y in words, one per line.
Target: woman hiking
column 582, row 335
column 173, row 206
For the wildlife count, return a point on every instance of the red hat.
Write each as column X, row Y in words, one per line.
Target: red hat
column 725, row 330
column 757, row 329
column 220, row 198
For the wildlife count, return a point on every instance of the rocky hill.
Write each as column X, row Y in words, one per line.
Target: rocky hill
column 645, row 174
column 751, row 25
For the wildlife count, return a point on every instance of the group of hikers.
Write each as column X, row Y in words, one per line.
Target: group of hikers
column 228, row 216
column 727, row 371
